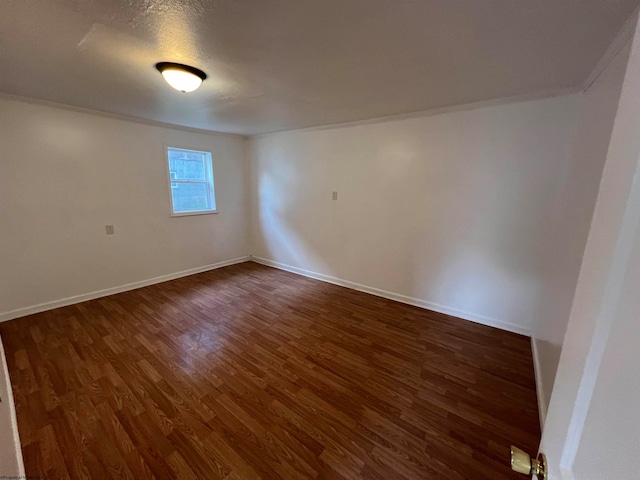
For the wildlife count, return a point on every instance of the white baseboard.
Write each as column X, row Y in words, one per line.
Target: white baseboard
column 542, row 404
column 492, row 322
column 9, row 409
column 63, row 302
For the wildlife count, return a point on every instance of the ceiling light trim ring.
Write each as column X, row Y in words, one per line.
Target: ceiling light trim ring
column 162, row 66
column 176, row 74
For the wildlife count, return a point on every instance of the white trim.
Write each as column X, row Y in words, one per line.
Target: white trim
column 436, row 307
column 115, row 116
column 41, row 307
column 621, row 39
column 607, row 308
column 555, row 92
column 211, row 188
column 12, row 412
column 191, row 214
column 542, row 404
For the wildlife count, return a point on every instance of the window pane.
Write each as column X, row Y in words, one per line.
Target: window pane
column 191, row 180
column 189, row 197
column 186, row 165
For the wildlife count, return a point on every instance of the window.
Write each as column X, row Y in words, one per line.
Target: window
column 191, row 182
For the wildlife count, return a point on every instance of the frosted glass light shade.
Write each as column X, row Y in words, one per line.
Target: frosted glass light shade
column 181, row 77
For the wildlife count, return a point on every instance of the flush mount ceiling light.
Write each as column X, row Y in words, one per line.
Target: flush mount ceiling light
column 181, row 77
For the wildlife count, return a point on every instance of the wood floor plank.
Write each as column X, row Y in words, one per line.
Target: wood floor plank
column 248, row 372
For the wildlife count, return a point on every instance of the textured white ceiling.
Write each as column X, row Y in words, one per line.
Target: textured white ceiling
column 284, row 64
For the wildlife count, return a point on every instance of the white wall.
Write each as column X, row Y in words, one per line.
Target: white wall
column 445, row 209
column 610, row 443
column 570, row 217
column 592, row 430
column 64, row 175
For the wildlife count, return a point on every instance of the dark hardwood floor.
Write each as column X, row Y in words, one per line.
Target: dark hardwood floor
column 250, row 372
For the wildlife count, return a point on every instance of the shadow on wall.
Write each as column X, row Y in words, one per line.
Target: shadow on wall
column 454, row 223
column 276, row 215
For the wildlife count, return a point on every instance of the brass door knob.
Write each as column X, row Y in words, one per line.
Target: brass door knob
column 521, row 462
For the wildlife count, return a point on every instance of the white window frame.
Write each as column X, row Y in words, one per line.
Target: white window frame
column 210, row 181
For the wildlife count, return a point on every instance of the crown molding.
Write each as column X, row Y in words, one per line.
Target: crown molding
column 619, row 42
column 621, row 39
column 114, row 116
column 555, row 92
column 624, row 35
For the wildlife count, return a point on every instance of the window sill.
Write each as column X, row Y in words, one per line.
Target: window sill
column 188, row 214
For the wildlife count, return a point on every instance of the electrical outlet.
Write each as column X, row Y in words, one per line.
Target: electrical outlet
column 110, row 230
column 335, row 196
